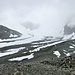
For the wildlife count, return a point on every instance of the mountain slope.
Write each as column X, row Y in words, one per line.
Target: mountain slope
column 6, row 33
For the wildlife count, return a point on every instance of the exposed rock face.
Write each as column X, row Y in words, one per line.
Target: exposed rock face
column 6, row 33
column 68, row 29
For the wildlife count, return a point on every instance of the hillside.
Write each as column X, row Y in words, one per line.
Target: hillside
column 6, row 33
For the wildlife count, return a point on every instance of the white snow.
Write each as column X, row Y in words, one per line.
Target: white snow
column 64, row 50
column 57, row 53
column 11, row 35
column 35, row 46
column 38, row 49
column 66, row 53
column 10, row 51
column 71, row 47
column 15, row 35
column 17, row 42
column 69, row 37
column 30, row 39
column 23, row 57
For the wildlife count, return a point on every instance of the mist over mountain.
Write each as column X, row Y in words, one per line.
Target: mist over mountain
column 51, row 15
column 69, row 30
column 69, row 27
column 30, row 25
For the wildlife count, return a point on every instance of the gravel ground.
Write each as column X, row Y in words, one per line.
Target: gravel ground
column 62, row 66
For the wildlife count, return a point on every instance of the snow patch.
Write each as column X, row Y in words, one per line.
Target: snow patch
column 11, row 51
column 23, row 57
column 57, row 53
column 69, row 37
column 38, row 49
column 71, row 47
column 66, row 53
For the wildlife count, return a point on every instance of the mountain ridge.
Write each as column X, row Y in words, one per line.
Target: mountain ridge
column 7, row 33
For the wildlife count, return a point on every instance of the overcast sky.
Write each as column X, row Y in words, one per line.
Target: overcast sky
column 47, row 13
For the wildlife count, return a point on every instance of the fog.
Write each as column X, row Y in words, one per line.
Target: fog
column 50, row 15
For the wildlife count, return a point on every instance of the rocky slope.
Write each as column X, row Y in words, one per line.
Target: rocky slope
column 6, row 33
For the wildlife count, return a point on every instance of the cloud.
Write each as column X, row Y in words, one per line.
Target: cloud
column 51, row 15
column 30, row 25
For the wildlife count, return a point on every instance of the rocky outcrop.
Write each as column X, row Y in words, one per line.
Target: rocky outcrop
column 69, row 29
column 6, row 33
